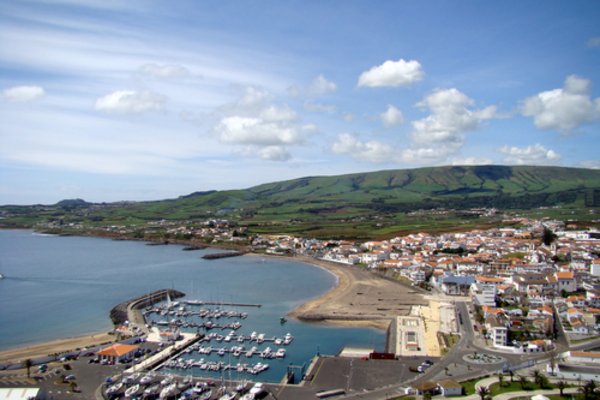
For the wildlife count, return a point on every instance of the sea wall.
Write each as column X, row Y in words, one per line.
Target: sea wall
column 119, row 314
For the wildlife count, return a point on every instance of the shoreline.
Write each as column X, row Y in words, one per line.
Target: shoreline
column 345, row 304
column 342, row 305
column 57, row 346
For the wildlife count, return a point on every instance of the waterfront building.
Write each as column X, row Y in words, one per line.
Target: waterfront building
column 117, row 352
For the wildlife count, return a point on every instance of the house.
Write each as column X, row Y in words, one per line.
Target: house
column 484, row 294
column 117, row 352
column 448, row 387
column 566, row 281
column 456, row 285
column 497, row 330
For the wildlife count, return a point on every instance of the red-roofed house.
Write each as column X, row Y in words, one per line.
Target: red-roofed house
column 117, row 352
column 566, row 281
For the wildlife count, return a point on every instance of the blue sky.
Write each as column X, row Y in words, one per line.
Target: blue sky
column 140, row 100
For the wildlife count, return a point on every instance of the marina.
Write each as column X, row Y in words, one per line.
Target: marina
column 81, row 271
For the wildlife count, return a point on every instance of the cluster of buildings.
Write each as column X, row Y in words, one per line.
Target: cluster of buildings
column 523, row 290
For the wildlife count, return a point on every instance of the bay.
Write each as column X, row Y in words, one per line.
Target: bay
column 58, row 287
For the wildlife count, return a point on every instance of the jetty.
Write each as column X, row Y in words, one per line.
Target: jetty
column 216, row 256
column 126, row 310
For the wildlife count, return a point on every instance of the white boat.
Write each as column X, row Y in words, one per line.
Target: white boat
column 152, row 390
column 248, row 396
column 146, row 379
column 114, row 388
column 1, row 276
column 258, row 388
column 168, row 391
column 280, row 353
column 132, row 390
column 288, row 338
column 205, row 395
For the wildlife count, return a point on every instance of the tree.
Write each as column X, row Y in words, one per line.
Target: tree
column 589, row 389
column 483, row 392
column 537, row 377
column 523, row 381
column 500, row 379
column 548, row 236
column 28, row 364
column 511, row 374
column 561, row 386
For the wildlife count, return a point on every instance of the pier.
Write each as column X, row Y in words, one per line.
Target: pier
column 129, row 310
column 216, row 256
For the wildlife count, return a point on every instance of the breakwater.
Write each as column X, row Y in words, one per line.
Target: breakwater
column 119, row 314
column 216, row 256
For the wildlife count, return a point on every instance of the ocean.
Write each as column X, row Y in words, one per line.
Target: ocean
column 58, row 287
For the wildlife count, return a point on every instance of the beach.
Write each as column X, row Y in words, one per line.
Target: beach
column 360, row 298
column 46, row 349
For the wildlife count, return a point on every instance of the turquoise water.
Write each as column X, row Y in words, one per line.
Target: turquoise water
column 65, row 286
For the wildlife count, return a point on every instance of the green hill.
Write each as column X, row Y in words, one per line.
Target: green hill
column 313, row 201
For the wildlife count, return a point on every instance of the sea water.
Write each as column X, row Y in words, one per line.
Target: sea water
column 57, row 287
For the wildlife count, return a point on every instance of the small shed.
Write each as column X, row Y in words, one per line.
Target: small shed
column 448, row 387
column 425, row 387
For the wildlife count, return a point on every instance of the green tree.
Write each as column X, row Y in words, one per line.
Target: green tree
column 589, row 390
column 511, row 374
column 561, row 385
column 523, row 381
column 548, row 236
column 537, row 377
column 500, row 379
column 28, row 364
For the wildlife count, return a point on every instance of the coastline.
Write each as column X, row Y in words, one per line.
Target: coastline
column 359, row 299
column 57, row 346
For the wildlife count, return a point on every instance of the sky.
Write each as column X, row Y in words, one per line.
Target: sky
column 143, row 100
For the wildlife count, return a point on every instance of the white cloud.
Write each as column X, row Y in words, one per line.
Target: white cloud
column 257, row 131
column 278, row 114
column 434, row 139
column 319, row 107
column 594, row 42
column 563, row 109
column 392, row 73
column 371, row 151
column 254, row 96
column 274, row 153
column 450, row 118
column 166, row 71
column 348, row 117
column 21, row 94
column 471, row 161
column 392, row 116
column 131, row 102
column 320, row 86
column 530, row 155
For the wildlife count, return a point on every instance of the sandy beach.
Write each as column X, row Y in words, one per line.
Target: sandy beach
column 45, row 349
column 360, row 298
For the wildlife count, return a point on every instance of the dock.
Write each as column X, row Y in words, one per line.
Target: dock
column 216, row 256
column 129, row 310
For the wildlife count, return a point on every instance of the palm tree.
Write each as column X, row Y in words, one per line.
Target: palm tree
column 523, row 381
column 28, row 364
column 512, row 374
column 588, row 389
column 500, row 379
column 561, row 386
column 483, row 392
column 537, row 377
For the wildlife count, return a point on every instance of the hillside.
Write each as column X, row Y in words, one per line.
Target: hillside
column 347, row 197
